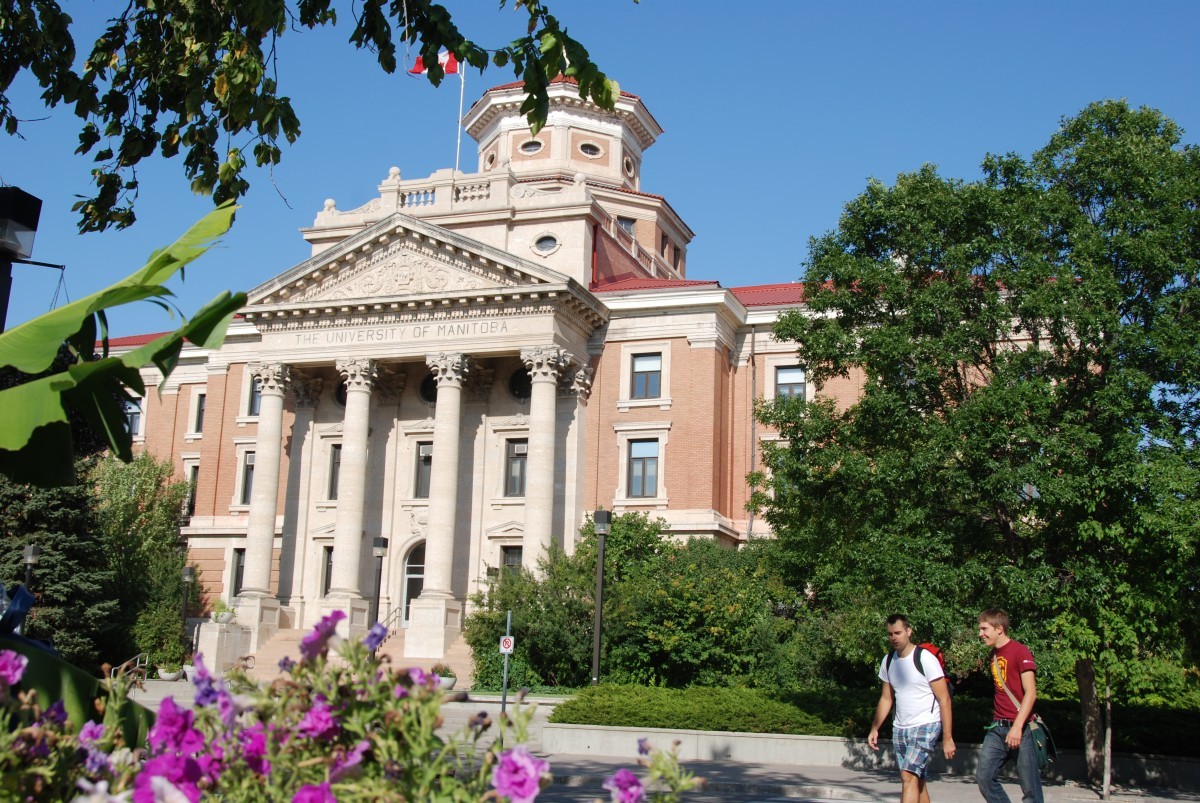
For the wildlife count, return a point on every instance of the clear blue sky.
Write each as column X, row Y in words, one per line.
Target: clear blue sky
column 791, row 105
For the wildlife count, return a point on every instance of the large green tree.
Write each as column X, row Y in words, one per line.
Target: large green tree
column 1029, row 348
column 199, row 79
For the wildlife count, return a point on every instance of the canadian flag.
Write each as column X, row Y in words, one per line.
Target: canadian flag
column 445, row 58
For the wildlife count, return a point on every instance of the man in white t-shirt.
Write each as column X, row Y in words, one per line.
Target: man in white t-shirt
column 922, row 699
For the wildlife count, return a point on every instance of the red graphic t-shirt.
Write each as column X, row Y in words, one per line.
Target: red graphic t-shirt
column 1007, row 664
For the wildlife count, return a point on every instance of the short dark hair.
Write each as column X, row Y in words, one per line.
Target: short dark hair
column 996, row 617
column 898, row 617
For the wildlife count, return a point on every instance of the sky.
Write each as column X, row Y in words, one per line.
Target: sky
column 776, row 114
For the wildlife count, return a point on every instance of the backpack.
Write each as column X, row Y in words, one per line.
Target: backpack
column 932, row 650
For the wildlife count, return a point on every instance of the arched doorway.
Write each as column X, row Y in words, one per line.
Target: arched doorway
column 414, row 576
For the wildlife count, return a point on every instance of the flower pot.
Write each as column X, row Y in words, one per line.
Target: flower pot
column 163, row 674
column 189, row 672
column 223, row 617
column 446, row 682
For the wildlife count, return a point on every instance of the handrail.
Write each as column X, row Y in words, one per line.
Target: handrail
column 395, row 617
column 139, row 661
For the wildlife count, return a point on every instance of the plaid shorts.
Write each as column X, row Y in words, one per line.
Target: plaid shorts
column 914, row 746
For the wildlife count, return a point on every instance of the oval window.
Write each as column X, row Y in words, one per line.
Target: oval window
column 531, row 146
column 520, row 385
column 489, row 162
column 428, row 389
column 339, row 394
column 629, row 167
column 590, row 150
column 546, row 244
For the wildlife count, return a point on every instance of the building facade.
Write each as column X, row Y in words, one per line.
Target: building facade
column 465, row 367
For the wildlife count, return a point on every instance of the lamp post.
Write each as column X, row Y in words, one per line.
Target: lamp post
column 602, row 521
column 189, row 575
column 32, row 556
column 19, row 214
column 378, row 549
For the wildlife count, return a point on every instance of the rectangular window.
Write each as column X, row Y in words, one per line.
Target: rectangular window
column 193, row 480
column 255, row 398
column 247, row 478
column 239, row 569
column 510, row 557
column 133, row 416
column 327, row 580
column 335, row 469
column 643, row 469
column 647, row 376
column 626, row 223
column 200, row 399
column 664, row 243
column 424, row 470
column 789, row 382
column 517, row 454
column 676, row 257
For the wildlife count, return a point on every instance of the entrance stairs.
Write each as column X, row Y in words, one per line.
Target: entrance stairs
column 286, row 644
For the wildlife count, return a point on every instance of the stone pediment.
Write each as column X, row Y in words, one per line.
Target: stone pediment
column 396, row 258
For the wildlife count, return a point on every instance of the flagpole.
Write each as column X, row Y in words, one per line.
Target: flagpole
column 462, row 91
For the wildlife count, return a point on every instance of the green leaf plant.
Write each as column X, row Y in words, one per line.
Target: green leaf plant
column 35, row 436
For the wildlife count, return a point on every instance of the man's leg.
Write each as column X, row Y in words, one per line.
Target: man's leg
column 911, row 787
column 992, row 755
column 924, row 791
column 1027, row 770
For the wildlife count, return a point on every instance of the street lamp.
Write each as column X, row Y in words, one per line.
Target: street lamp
column 32, row 555
column 601, row 521
column 189, row 575
column 19, row 214
column 378, row 549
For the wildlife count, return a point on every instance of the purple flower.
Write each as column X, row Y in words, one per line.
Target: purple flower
column 56, row 713
column 12, row 668
column 90, row 733
column 317, row 642
column 286, row 664
column 310, row 793
column 173, row 730
column 417, row 675
column 319, row 722
column 254, row 749
column 518, row 775
column 206, row 687
column 164, row 775
column 625, row 787
column 643, row 747
column 348, row 765
column 375, row 636
column 400, row 692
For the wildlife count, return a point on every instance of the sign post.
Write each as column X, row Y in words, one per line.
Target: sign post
column 506, row 648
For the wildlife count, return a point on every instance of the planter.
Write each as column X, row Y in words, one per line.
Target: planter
column 163, row 674
column 446, row 682
column 189, row 672
column 223, row 618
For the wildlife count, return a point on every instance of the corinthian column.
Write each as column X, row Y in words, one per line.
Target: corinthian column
column 435, row 616
column 359, row 376
column 273, row 379
column 544, row 364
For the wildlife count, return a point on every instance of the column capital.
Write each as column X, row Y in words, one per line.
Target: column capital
column 358, row 374
column 449, row 368
column 273, row 377
column 307, row 390
column 544, row 363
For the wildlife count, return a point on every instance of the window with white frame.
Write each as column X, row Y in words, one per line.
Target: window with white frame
column 247, row 479
column 642, row 451
column 510, row 557
column 789, row 382
column 239, row 569
column 643, row 469
column 335, row 469
column 254, row 404
column 133, row 417
column 198, row 415
column 516, row 455
column 192, row 472
column 645, row 375
column 423, row 470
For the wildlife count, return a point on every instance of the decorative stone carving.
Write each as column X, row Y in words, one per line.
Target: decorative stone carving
column 579, row 382
column 420, row 521
column 544, row 363
column 273, row 378
column 392, row 271
column 358, row 374
column 478, row 384
column 449, row 369
column 307, row 390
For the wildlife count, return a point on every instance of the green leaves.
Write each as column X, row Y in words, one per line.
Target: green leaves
column 35, row 439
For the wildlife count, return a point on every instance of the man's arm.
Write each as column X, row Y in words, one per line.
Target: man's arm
column 1029, row 688
column 881, row 711
column 941, row 690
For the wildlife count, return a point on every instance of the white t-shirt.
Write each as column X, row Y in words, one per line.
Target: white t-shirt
column 915, row 703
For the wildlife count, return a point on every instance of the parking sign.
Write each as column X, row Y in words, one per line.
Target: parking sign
column 506, row 645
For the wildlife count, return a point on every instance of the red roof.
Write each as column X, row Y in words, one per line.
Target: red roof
column 767, row 295
column 638, row 283
column 131, row 341
column 559, row 79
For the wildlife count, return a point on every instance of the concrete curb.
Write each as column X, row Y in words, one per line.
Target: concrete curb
column 808, row 791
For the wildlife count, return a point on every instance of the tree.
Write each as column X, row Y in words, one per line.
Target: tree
column 138, row 506
column 190, row 77
column 1029, row 350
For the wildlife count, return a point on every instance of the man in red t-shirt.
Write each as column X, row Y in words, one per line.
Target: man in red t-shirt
column 1012, row 666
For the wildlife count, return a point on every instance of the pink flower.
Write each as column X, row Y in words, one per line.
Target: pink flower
column 625, row 787
column 310, row 793
column 165, row 778
column 173, row 731
column 317, row 642
column 12, row 668
column 350, row 764
column 518, row 775
column 319, row 722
